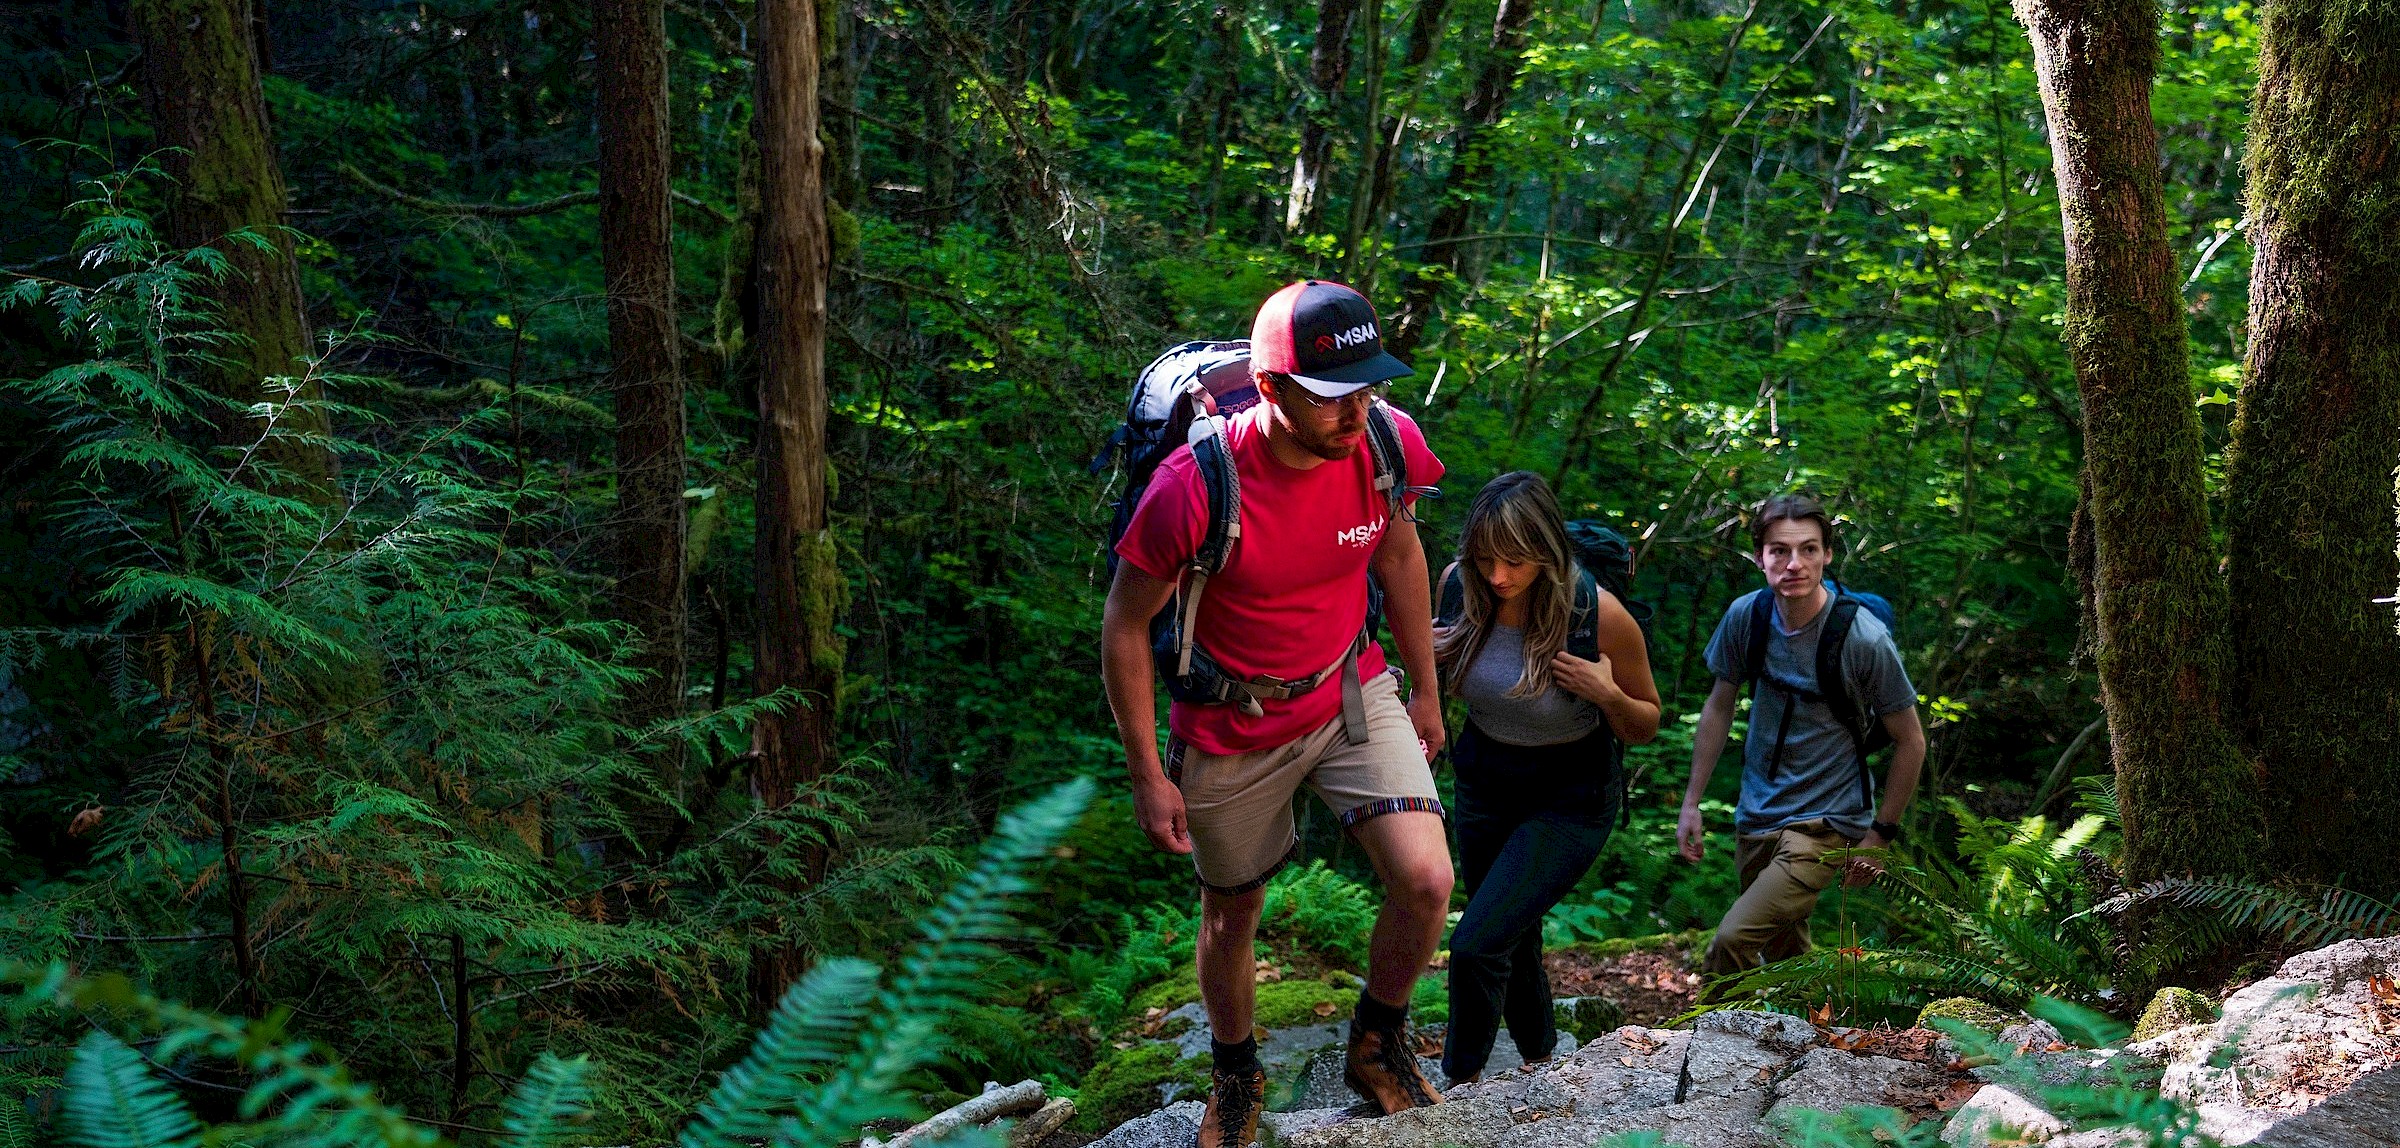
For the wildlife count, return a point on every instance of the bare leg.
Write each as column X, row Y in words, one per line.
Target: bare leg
column 1228, row 962
column 1412, row 856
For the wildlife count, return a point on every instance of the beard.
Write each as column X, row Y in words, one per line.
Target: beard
column 1333, row 444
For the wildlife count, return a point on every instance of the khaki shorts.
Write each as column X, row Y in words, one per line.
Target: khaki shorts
column 1239, row 806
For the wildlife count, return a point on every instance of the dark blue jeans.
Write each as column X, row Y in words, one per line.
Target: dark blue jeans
column 1531, row 820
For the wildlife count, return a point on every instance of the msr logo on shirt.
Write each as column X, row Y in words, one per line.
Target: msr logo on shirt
column 1359, row 535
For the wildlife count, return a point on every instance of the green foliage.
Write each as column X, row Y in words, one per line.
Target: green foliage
column 832, row 1058
column 2005, row 923
column 2302, row 916
column 1321, row 911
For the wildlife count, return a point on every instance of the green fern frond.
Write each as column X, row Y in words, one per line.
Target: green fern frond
column 113, row 1100
column 937, row 974
column 834, row 1056
column 815, row 1024
column 553, row 1094
column 2305, row 915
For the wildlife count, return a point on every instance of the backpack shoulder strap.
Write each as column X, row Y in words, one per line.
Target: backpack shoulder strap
column 1762, row 625
column 1390, row 457
column 1212, row 456
column 1450, row 602
column 1583, row 617
column 1832, row 684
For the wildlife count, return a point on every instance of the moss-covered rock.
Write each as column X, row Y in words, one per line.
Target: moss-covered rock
column 1124, row 1084
column 2173, row 1008
column 1587, row 1017
column 1286, row 1004
column 1172, row 993
column 1691, row 940
column 1968, row 1011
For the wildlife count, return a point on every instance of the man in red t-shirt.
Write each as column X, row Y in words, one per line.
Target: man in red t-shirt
column 1288, row 607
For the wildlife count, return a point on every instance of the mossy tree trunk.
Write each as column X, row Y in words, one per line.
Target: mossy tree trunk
column 1472, row 174
column 201, row 73
column 2316, row 693
column 1328, row 71
column 799, row 583
column 638, row 266
column 2185, row 790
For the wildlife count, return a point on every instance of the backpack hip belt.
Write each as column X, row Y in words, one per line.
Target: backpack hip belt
column 1247, row 694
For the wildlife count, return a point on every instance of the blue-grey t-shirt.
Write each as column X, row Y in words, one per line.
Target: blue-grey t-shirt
column 1817, row 774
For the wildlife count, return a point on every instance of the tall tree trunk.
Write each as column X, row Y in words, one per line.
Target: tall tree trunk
column 1424, row 36
column 201, row 71
column 2185, row 790
column 1471, row 174
column 2310, row 512
column 800, row 588
column 1208, row 116
column 936, row 91
column 637, row 263
column 1328, row 70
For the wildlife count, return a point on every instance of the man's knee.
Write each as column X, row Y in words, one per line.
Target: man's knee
column 1423, row 883
column 1230, row 915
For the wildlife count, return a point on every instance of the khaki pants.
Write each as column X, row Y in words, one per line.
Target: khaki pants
column 1782, row 874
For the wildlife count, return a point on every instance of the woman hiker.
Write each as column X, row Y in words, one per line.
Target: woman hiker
column 1555, row 676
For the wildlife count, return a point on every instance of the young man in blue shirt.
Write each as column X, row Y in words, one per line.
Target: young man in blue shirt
column 1806, row 789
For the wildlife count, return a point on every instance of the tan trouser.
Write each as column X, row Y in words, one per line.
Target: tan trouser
column 1782, row 874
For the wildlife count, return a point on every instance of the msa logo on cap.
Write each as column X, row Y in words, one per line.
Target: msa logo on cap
column 1327, row 344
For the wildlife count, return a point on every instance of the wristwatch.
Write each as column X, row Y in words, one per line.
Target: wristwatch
column 1888, row 830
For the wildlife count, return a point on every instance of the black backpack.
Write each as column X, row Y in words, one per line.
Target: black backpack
column 1866, row 734
column 1185, row 396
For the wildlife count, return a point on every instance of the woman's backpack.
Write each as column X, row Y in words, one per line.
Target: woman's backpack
column 1183, row 398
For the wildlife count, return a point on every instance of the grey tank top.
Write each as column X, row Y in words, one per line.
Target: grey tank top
column 1551, row 717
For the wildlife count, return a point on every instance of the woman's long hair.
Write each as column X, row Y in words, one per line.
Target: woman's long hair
column 1514, row 518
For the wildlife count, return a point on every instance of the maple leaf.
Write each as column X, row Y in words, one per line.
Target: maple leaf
column 1822, row 1015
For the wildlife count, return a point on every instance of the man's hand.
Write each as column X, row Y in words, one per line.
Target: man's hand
column 1864, row 870
column 1594, row 682
column 1690, row 842
column 1425, row 712
column 1158, row 806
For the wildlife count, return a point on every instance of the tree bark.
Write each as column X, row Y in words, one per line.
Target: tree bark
column 201, row 72
column 800, row 588
column 2186, row 793
column 637, row 264
column 1471, row 174
column 1424, row 35
column 1328, row 70
column 2316, row 690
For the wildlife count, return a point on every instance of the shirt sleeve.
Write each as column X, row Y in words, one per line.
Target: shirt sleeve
column 1726, row 652
column 1424, row 469
column 1877, row 678
column 1170, row 522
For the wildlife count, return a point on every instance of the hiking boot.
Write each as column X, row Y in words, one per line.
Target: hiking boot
column 1380, row 1066
column 1234, row 1102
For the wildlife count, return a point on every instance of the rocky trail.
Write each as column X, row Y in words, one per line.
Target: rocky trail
column 2307, row 1058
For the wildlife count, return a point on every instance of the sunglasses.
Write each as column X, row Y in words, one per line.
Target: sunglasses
column 1360, row 398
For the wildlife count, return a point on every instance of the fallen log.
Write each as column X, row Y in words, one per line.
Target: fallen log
column 995, row 1102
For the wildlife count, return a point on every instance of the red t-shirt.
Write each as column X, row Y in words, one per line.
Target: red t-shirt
column 1294, row 592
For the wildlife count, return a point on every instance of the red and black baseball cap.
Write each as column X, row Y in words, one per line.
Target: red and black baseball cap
column 1324, row 335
